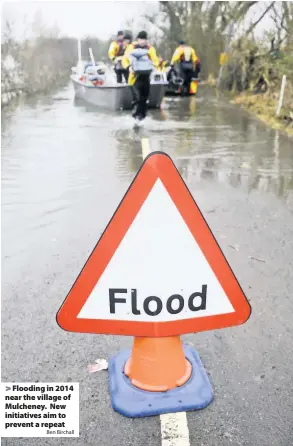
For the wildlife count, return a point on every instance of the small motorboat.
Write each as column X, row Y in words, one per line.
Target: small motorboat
column 176, row 84
column 96, row 83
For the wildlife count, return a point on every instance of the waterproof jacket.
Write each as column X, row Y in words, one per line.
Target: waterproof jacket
column 117, row 49
column 163, row 66
column 126, row 60
column 184, row 54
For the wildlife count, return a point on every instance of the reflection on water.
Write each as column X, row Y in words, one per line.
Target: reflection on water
column 129, row 156
column 57, row 151
column 209, row 138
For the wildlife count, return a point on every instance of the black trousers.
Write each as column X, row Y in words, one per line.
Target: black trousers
column 120, row 74
column 140, row 94
column 186, row 75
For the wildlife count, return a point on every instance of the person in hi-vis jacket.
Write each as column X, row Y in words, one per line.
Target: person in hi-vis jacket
column 141, row 58
column 189, row 63
column 116, row 52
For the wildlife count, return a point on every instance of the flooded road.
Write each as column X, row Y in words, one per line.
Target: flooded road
column 65, row 167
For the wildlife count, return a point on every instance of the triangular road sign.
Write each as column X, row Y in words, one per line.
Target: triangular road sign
column 157, row 269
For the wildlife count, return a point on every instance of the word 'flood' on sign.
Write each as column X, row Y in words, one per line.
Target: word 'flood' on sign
column 157, row 269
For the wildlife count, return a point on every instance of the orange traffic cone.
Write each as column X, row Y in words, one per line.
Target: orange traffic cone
column 158, row 364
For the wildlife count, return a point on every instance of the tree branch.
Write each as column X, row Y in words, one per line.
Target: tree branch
column 260, row 19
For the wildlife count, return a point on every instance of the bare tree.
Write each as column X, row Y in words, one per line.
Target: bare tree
column 203, row 24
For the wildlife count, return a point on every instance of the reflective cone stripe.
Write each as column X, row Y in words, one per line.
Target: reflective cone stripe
column 158, row 364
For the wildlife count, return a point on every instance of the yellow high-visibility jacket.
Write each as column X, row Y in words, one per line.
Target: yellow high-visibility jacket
column 116, row 49
column 163, row 66
column 182, row 54
column 126, row 61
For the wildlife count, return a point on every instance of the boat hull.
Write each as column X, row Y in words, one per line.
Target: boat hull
column 116, row 97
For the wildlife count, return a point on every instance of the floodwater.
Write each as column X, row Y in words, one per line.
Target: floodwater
column 57, row 151
column 65, row 167
column 52, row 147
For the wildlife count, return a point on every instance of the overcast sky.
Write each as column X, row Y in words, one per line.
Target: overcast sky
column 80, row 18
column 99, row 18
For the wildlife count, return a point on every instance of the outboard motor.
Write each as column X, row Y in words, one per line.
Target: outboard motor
column 175, row 78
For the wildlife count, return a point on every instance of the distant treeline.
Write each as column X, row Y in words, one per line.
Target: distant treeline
column 37, row 65
column 213, row 26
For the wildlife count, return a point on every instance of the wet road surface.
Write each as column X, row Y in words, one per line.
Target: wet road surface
column 65, row 167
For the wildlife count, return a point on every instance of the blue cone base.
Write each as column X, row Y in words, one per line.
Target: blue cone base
column 195, row 394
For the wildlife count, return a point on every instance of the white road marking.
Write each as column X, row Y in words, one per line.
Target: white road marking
column 174, row 427
column 145, row 146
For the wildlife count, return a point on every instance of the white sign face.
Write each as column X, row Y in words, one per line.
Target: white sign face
column 158, row 272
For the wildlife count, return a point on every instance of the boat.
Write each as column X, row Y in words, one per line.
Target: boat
column 104, row 90
column 175, row 85
column 116, row 96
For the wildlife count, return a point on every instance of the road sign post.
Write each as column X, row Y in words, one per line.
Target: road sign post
column 156, row 273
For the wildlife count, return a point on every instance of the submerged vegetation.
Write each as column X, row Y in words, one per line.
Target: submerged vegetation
column 260, row 88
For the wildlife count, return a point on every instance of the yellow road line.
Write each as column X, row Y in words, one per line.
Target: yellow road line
column 145, row 146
